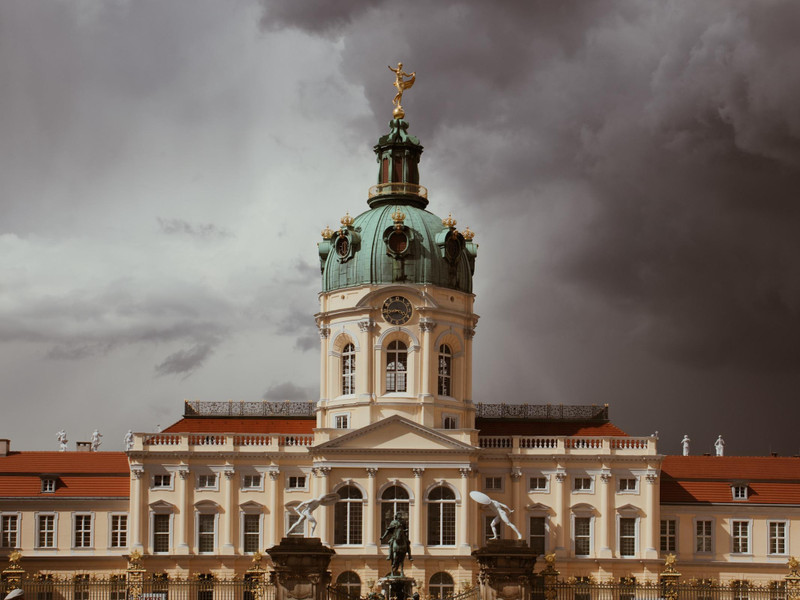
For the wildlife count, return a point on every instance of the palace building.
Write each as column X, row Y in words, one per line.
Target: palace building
column 396, row 430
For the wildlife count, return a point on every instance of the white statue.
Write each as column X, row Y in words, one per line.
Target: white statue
column 304, row 510
column 719, row 446
column 96, row 435
column 685, row 443
column 128, row 440
column 61, row 436
column 500, row 511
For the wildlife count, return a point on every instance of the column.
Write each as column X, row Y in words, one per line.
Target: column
column 469, row 333
column 652, row 520
column 321, row 474
column 227, row 523
column 518, row 501
column 183, row 522
column 428, row 380
column 562, row 519
column 372, row 502
column 137, row 471
column 419, row 513
column 364, row 377
column 275, row 509
column 324, row 332
column 463, row 522
column 607, row 518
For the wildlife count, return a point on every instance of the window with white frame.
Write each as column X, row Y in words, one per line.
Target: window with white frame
column 119, row 531
column 445, row 371
column 450, row 422
column 82, row 531
column 341, row 421
column 627, row 484
column 9, row 536
column 251, row 532
column 251, row 482
column 162, row 480
column 441, row 516
column 349, row 369
column 669, row 542
column 537, row 528
column 776, row 530
column 80, row 587
column 627, row 536
column 45, row 531
column 740, row 536
column 537, row 484
column 493, row 482
column 583, row 535
column 394, row 500
column 739, row 492
column 293, row 517
column 348, row 516
column 396, row 366
column 161, row 533
column 703, row 536
column 207, row 481
column 441, row 585
column 582, row 484
column 296, row 482
column 350, row 583
column 48, row 485
column 206, row 533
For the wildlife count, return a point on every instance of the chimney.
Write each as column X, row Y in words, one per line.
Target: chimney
column 83, row 446
column 5, row 447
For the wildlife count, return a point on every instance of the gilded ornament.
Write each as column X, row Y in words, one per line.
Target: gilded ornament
column 449, row 222
column 468, row 234
column 402, row 85
column 327, row 233
column 347, row 220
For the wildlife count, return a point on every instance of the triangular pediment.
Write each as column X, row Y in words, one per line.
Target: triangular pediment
column 394, row 434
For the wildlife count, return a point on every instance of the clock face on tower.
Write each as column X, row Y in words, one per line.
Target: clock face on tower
column 397, row 310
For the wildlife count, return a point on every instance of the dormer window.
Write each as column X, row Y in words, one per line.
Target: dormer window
column 48, row 485
column 739, row 491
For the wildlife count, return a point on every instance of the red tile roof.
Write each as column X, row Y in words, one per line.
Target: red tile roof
column 247, row 425
column 708, row 479
column 78, row 474
column 522, row 427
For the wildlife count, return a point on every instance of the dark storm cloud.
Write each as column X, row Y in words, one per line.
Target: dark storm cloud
column 201, row 230
column 287, row 391
column 185, row 362
column 677, row 123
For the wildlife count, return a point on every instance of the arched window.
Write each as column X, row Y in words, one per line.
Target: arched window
column 349, row 369
column 396, row 366
column 441, row 585
column 441, row 517
column 393, row 500
column 445, row 370
column 350, row 583
column 347, row 520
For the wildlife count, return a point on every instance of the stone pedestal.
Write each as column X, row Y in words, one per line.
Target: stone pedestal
column 300, row 569
column 506, row 570
column 396, row 587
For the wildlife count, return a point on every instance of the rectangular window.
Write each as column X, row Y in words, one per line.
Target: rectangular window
column 83, row 531
column 627, row 536
column 445, row 371
column 205, row 533
column 537, row 535
column 46, row 531
column 80, row 589
column 205, row 586
column 161, row 533
column 297, row 482
column 162, row 481
column 739, row 492
column 342, row 421
column 450, row 423
column 207, row 481
column 291, row 519
column 582, row 484
column 48, row 486
column 119, row 531
column 537, row 484
column 10, row 531
column 252, row 533
column 703, row 539
column 740, row 532
column 251, row 482
column 668, row 536
column 493, row 483
column 627, row 484
column 777, row 537
column 583, row 536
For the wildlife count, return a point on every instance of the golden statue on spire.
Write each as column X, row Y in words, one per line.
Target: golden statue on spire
column 401, row 86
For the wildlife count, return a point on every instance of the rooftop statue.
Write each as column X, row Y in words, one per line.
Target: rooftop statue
column 96, row 435
column 128, row 440
column 500, row 511
column 685, row 444
column 399, row 547
column 719, row 446
column 61, row 436
column 305, row 508
column 401, row 85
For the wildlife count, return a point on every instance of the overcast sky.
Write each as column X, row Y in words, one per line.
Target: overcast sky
column 631, row 170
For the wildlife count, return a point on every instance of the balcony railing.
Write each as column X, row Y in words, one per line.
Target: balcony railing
column 241, row 442
column 398, row 187
column 534, row 444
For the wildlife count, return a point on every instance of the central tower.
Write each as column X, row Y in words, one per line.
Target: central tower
column 396, row 316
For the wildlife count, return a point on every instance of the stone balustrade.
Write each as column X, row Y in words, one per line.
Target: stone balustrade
column 534, row 444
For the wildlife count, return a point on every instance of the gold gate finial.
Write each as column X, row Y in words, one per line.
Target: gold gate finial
column 402, row 86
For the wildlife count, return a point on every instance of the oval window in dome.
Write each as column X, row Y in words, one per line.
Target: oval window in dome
column 397, row 242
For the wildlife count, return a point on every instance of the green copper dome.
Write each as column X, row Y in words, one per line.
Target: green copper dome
column 397, row 241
